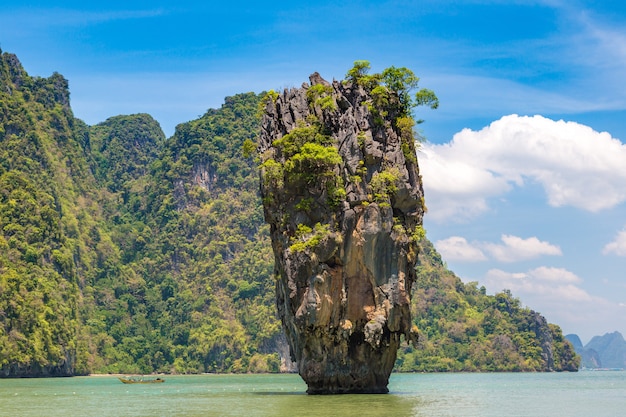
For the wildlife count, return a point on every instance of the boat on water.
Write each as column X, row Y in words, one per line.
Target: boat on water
column 133, row 380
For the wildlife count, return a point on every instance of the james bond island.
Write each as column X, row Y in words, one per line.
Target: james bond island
column 343, row 196
column 126, row 252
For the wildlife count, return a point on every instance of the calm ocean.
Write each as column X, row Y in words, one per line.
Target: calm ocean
column 584, row 394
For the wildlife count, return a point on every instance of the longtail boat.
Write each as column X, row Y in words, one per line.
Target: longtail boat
column 141, row 380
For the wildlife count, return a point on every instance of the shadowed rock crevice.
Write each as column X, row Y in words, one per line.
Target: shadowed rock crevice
column 343, row 196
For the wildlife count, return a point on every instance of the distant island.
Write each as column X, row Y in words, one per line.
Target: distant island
column 602, row 352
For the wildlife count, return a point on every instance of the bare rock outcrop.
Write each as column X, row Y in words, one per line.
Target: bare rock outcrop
column 343, row 196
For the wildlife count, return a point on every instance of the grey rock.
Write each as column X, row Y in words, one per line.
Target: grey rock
column 344, row 295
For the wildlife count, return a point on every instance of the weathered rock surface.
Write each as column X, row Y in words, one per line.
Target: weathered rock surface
column 343, row 231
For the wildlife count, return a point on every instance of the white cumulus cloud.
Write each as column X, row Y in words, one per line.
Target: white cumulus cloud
column 617, row 246
column 557, row 275
column 456, row 248
column 556, row 284
column 514, row 248
column 575, row 165
column 456, row 187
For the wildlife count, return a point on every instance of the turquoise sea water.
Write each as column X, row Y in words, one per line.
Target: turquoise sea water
column 584, row 394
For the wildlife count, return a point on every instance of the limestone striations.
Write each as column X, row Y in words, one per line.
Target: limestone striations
column 343, row 195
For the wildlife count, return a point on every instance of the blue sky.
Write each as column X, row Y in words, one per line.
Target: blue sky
column 525, row 164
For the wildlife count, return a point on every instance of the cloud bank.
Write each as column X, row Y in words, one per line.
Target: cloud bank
column 556, row 284
column 512, row 249
column 457, row 248
column 575, row 165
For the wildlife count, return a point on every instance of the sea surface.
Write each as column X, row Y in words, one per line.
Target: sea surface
column 584, row 394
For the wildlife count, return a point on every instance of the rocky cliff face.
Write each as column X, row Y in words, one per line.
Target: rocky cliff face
column 343, row 195
column 41, row 156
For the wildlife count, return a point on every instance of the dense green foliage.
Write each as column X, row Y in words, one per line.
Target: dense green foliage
column 123, row 147
column 193, row 291
column 305, row 159
column 47, row 212
column 392, row 84
column 121, row 251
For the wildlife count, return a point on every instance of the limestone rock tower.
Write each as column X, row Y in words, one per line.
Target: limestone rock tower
column 343, row 196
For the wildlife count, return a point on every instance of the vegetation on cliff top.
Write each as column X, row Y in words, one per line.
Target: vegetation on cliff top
column 121, row 251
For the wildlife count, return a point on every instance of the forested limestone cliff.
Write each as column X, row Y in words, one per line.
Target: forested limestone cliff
column 47, row 211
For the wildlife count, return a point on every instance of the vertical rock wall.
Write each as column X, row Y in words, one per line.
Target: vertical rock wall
column 342, row 193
